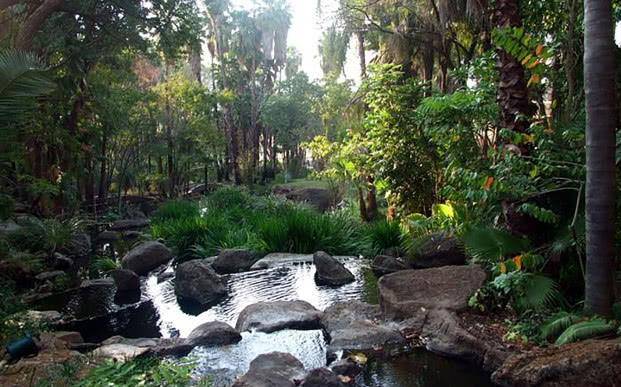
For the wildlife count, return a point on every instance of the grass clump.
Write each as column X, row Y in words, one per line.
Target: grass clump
column 234, row 218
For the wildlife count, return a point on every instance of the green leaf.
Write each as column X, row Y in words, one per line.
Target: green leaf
column 586, row 330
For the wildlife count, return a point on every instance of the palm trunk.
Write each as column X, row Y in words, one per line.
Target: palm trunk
column 599, row 76
column 512, row 88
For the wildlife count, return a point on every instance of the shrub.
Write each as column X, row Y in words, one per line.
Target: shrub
column 102, row 265
column 175, row 210
column 384, row 235
column 7, row 206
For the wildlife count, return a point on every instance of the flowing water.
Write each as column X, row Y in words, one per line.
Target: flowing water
column 158, row 313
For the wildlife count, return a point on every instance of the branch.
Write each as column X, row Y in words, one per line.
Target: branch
column 35, row 21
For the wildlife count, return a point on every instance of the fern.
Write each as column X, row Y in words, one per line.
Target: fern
column 558, row 324
column 586, row 330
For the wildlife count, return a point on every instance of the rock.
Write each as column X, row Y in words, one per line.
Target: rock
column 321, row 377
column 165, row 276
column 405, row 293
column 146, row 257
column 106, row 237
column 62, row 262
column 385, row 264
column 49, row 275
column 439, row 250
column 155, row 346
column 99, row 282
column 281, row 259
column 275, row 369
column 354, row 327
column 79, row 246
column 9, row 227
column 319, row 198
column 129, row 224
column 40, row 369
column 70, row 338
column 591, row 362
column 132, row 235
column 443, row 335
column 213, row 334
column 346, row 367
column 47, row 317
column 197, row 282
column 330, row 271
column 125, row 280
column 278, row 315
column 120, row 352
column 234, row 261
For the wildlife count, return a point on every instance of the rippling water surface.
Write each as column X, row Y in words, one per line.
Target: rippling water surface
column 296, row 282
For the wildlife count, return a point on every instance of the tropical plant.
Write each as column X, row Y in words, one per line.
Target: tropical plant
column 23, row 78
column 586, row 330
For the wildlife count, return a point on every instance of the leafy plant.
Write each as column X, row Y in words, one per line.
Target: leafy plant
column 175, row 210
column 101, row 265
column 490, row 245
column 384, row 235
column 586, row 330
column 558, row 324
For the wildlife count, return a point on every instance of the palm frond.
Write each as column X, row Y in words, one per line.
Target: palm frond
column 539, row 291
column 586, row 330
column 22, row 77
column 490, row 245
column 558, row 324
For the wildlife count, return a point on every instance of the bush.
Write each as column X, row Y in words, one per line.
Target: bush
column 384, row 235
column 144, row 372
column 233, row 218
column 175, row 210
column 7, row 206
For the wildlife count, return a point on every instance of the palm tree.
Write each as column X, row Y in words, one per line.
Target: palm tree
column 22, row 78
column 512, row 88
column 599, row 80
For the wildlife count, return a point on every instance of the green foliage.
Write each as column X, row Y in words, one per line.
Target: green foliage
column 7, row 205
column 384, row 235
column 175, row 210
column 490, row 245
column 23, row 78
column 233, row 218
column 102, row 265
column 586, row 330
column 558, row 323
column 150, row 372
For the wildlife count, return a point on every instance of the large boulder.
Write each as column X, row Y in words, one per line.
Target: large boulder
column 79, row 246
column 197, row 282
column 120, row 352
column 385, row 264
column 146, row 257
column 322, row 377
column 125, row 280
column 356, row 327
column 587, row 363
column 405, row 293
column 319, row 198
column 129, row 224
column 213, row 334
column 274, row 316
column 330, row 272
column 439, row 250
column 154, row 346
column 271, row 370
column 234, row 261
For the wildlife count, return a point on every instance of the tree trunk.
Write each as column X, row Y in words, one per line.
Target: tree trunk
column 599, row 76
column 361, row 54
column 34, row 22
column 513, row 99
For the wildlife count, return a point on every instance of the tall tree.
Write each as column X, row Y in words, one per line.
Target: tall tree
column 601, row 108
column 512, row 89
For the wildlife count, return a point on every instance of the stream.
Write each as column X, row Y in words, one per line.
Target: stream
column 158, row 313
